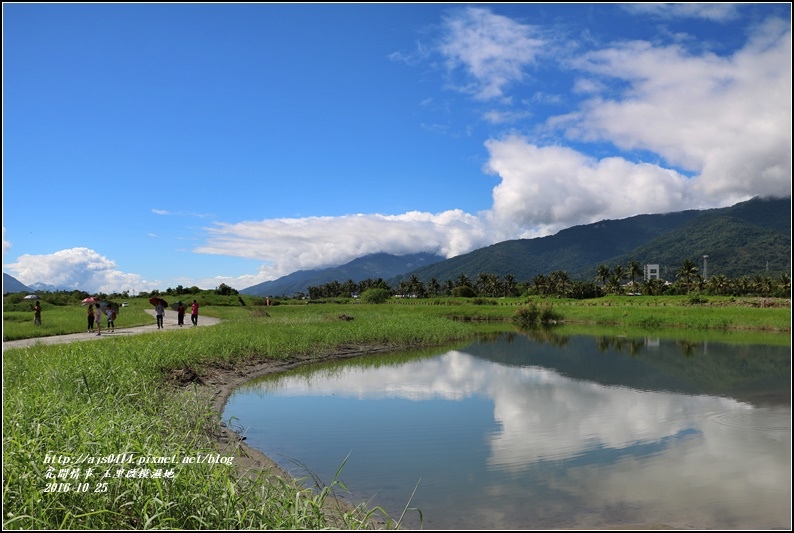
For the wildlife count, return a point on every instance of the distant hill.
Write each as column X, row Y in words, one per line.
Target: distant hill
column 749, row 238
column 12, row 285
column 44, row 287
column 372, row 266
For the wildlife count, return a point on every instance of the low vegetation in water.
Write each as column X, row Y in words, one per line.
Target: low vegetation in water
column 533, row 314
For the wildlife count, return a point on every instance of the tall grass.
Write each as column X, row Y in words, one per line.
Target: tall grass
column 112, row 397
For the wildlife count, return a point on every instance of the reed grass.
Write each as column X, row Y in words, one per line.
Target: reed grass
column 112, row 397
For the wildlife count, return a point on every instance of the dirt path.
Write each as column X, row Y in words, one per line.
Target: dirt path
column 169, row 321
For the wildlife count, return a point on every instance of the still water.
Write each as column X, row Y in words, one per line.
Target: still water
column 536, row 431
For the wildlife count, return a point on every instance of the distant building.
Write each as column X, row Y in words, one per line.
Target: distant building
column 651, row 272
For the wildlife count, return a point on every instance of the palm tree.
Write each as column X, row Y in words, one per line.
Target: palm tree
column 482, row 283
column 784, row 284
column 741, row 285
column 559, row 280
column 433, row 287
column 449, row 285
column 509, row 285
column 652, row 287
column 718, row 284
column 349, row 287
column 687, row 273
column 635, row 269
column 494, row 285
column 762, row 284
column 415, row 286
column 540, row 283
column 616, row 281
column 602, row 274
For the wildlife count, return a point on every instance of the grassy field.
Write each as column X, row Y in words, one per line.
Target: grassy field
column 96, row 401
column 712, row 313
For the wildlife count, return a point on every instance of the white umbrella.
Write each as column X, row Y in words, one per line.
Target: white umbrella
column 31, row 297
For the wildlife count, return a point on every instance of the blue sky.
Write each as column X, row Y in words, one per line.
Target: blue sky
column 147, row 146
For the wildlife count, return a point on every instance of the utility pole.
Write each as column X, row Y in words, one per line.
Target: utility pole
column 705, row 267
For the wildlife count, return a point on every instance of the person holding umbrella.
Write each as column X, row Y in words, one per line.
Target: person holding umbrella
column 159, row 311
column 111, row 313
column 37, row 314
column 90, row 318
column 90, row 302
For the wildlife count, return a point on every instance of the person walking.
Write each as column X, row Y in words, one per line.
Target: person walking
column 91, row 318
column 194, row 313
column 180, row 314
column 159, row 310
column 37, row 314
column 98, row 319
column 111, row 320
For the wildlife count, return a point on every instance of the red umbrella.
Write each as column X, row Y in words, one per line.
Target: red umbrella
column 154, row 300
column 90, row 300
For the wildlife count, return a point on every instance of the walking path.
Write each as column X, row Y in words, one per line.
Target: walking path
column 169, row 321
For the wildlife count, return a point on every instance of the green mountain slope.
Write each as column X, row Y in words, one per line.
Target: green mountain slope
column 749, row 238
column 372, row 266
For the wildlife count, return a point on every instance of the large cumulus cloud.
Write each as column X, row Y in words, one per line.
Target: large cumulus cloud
column 79, row 269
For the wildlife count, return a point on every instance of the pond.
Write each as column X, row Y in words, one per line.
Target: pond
column 539, row 431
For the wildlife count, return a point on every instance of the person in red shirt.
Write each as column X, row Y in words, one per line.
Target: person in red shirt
column 194, row 313
column 180, row 314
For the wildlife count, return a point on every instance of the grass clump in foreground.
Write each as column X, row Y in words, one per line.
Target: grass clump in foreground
column 67, row 402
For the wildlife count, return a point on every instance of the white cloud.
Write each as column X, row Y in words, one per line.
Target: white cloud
column 287, row 245
column 726, row 119
column 165, row 212
column 492, row 49
column 546, row 189
column 77, row 268
column 715, row 12
column 6, row 244
column 502, row 117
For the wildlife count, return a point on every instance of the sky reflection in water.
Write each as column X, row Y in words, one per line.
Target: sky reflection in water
column 500, row 435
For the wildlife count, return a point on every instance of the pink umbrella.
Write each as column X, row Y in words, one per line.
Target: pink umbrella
column 89, row 300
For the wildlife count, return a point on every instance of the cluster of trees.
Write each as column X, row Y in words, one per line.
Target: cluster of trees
column 76, row 296
column 618, row 279
column 179, row 290
column 349, row 288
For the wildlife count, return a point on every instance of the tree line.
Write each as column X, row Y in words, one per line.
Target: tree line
column 615, row 280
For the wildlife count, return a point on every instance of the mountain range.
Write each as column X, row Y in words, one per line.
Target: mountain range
column 12, row 284
column 381, row 265
column 749, row 238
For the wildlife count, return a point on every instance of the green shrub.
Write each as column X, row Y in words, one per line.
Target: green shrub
column 532, row 315
column 463, row 291
column 375, row 296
